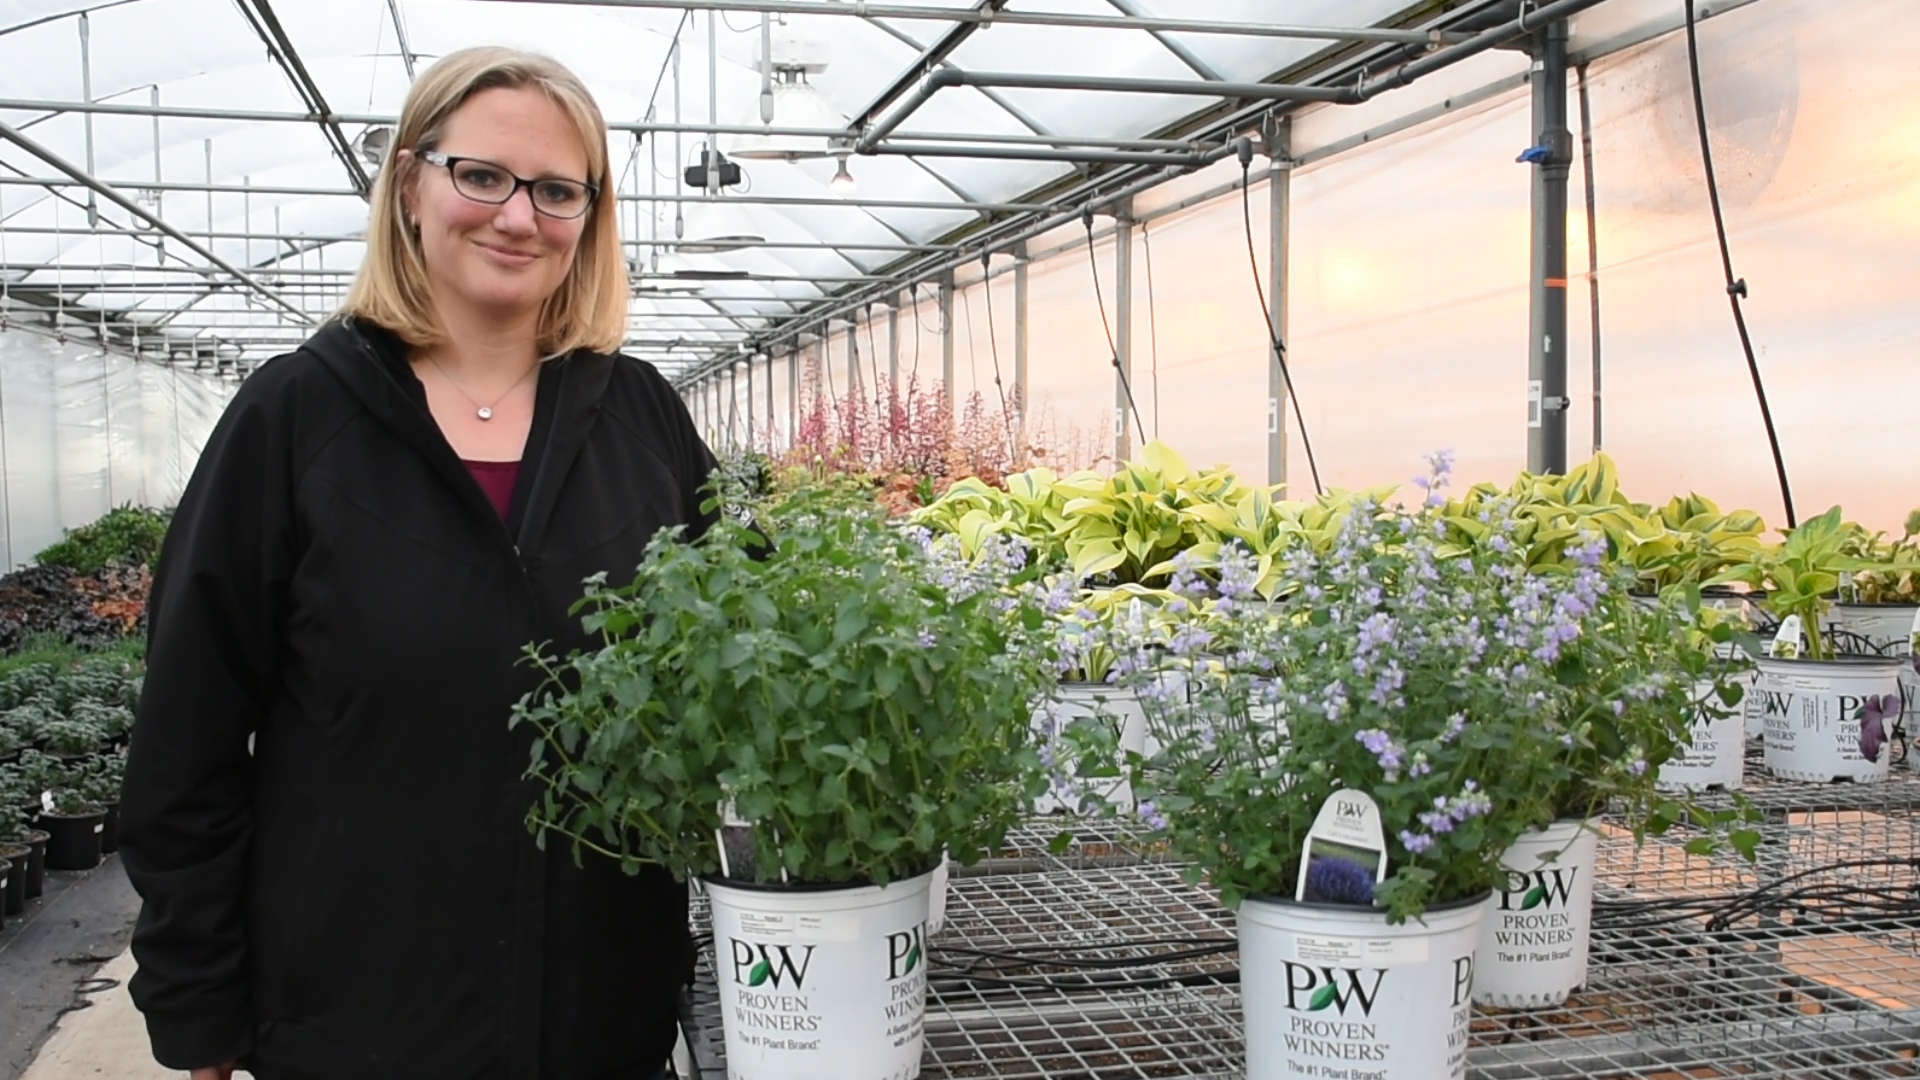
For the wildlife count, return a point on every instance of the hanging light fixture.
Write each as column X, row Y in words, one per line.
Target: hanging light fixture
column 787, row 60
column 372, row 145
column 843, row 182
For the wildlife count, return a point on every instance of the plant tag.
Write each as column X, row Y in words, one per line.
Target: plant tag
column 100, row 828
column 1786, row 644
column 1913, row 635
column 46, row 802
column 735, row 828
column 1347, row 830
column 1359, row 952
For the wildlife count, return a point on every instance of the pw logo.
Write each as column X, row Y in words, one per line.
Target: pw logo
column 1352, row 810
column 1542, row 887
column 905, row 950
column 1311, row 989
column 756, row 965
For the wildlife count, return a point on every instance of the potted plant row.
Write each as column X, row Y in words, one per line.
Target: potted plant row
column 1391, row 776
column 805, row 712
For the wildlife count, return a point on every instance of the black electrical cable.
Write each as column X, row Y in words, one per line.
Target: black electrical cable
column 1736, row 287
column 1086, row 218
column 993, row 343
column 1153, row 326
column 1245, row 150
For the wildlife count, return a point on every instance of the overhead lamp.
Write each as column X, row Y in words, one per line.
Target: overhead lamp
column 714, row 245
column 373, row 143
column 796, row 102
column 843, row 182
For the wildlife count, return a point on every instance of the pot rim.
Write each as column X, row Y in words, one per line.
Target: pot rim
column 1355, row 909
column 1839, row 660
column 809, row 886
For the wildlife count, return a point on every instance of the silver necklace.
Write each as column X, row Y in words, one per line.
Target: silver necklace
column 484, row 412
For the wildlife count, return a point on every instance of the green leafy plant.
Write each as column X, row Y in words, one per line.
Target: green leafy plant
column 101, row 779
column 1801, row 575
column 127, row 534
column 1882, row 585
column 69, row 737
column 1473, row 697
column 858, row 694
column 29, row 721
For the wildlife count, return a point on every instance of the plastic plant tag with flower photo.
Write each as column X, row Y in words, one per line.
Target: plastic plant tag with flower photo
column 1345, row 855
column 1787, row 643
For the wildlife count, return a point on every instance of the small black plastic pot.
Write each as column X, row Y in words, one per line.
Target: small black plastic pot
column 74, row 842
column 110, row 834
column 16, row 856
column 36, row 842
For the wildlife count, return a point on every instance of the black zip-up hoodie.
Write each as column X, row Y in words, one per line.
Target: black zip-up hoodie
column 359, row 896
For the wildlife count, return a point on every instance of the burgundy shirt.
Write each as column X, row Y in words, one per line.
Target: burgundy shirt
column 496, row 478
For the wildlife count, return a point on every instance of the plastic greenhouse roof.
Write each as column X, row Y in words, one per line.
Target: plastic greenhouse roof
column 256, row 165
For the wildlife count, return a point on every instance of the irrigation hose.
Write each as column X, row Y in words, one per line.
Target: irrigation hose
column 1736, row 287
column 1086, row 218
column 1273, row 334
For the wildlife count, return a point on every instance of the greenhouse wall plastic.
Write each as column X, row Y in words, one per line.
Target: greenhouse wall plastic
column 82, row 432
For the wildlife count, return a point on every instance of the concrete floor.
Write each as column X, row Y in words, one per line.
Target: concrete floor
column 64, row 1010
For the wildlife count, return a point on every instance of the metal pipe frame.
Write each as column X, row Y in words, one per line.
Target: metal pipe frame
column 1279, row 239
column 1364, row 34
column 52, row 182
column 1126, row 180
column 1548, row 403
column 1125, row 404
column 111, row 194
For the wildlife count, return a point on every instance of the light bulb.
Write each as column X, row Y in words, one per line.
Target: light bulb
column 843, row 181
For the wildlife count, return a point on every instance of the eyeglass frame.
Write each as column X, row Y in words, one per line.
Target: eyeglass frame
column 448, row 161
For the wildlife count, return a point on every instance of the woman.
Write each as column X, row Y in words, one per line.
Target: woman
column 379, row 523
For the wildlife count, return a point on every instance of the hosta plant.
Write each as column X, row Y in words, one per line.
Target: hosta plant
column 1802, row 575
column 1880, row 585
column 1471, row 697
column 857, row 695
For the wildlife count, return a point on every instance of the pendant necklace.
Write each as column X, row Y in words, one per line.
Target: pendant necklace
column 484, row 412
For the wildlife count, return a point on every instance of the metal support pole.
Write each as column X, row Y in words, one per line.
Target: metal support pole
column 86, row 94
column 1122, row 331
column 159, row 197
column 1547, row 402
column 733, row 404
column 820, row 367
column 1279, row 230
column 793, row 394
column 855, row 385
column 893, row 345
column 1020, row 406
column 946, row 338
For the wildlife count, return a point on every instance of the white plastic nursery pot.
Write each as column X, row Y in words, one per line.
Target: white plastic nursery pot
column 1889, row 628
column 1535, row 942
column 822, row 983
column 1717, row 756
column 1332, row 990
column 1812, row 711
column 1120, row 706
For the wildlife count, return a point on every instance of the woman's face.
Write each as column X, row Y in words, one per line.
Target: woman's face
column 505, row 258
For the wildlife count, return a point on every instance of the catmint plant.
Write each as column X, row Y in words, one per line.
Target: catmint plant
column 858, row 693
column 1471, row 697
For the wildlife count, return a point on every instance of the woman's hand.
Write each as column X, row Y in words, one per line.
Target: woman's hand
column 218, row 1072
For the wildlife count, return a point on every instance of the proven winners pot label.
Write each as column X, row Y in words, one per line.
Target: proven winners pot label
column 834, row 995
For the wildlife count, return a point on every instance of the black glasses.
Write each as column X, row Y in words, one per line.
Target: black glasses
column 483, row 181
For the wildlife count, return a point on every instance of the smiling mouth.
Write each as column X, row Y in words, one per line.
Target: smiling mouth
column 508, row 254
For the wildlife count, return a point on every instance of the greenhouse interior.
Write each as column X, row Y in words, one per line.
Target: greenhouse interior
column 1251, row 538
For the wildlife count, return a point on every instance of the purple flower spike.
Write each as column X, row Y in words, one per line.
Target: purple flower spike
column 1875, row 717
column 1338, row 881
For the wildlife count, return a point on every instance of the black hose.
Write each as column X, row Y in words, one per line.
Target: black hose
column 1086, row 218
column 1273, row 335
column 1736, row 287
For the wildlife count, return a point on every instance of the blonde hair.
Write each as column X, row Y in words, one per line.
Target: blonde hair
column 589, row 309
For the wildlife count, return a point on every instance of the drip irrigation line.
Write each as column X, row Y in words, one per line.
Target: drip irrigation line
column 1260, row 293
column 993, row 344
column 1736, row 287
column 1593, row 244
column 1086, row 218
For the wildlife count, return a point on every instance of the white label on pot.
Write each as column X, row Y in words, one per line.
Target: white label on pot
column 1374, row 952
column 46, row 801
column 102, row 827
column 827, row 928
column 1346, row 830
column 765, row 924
